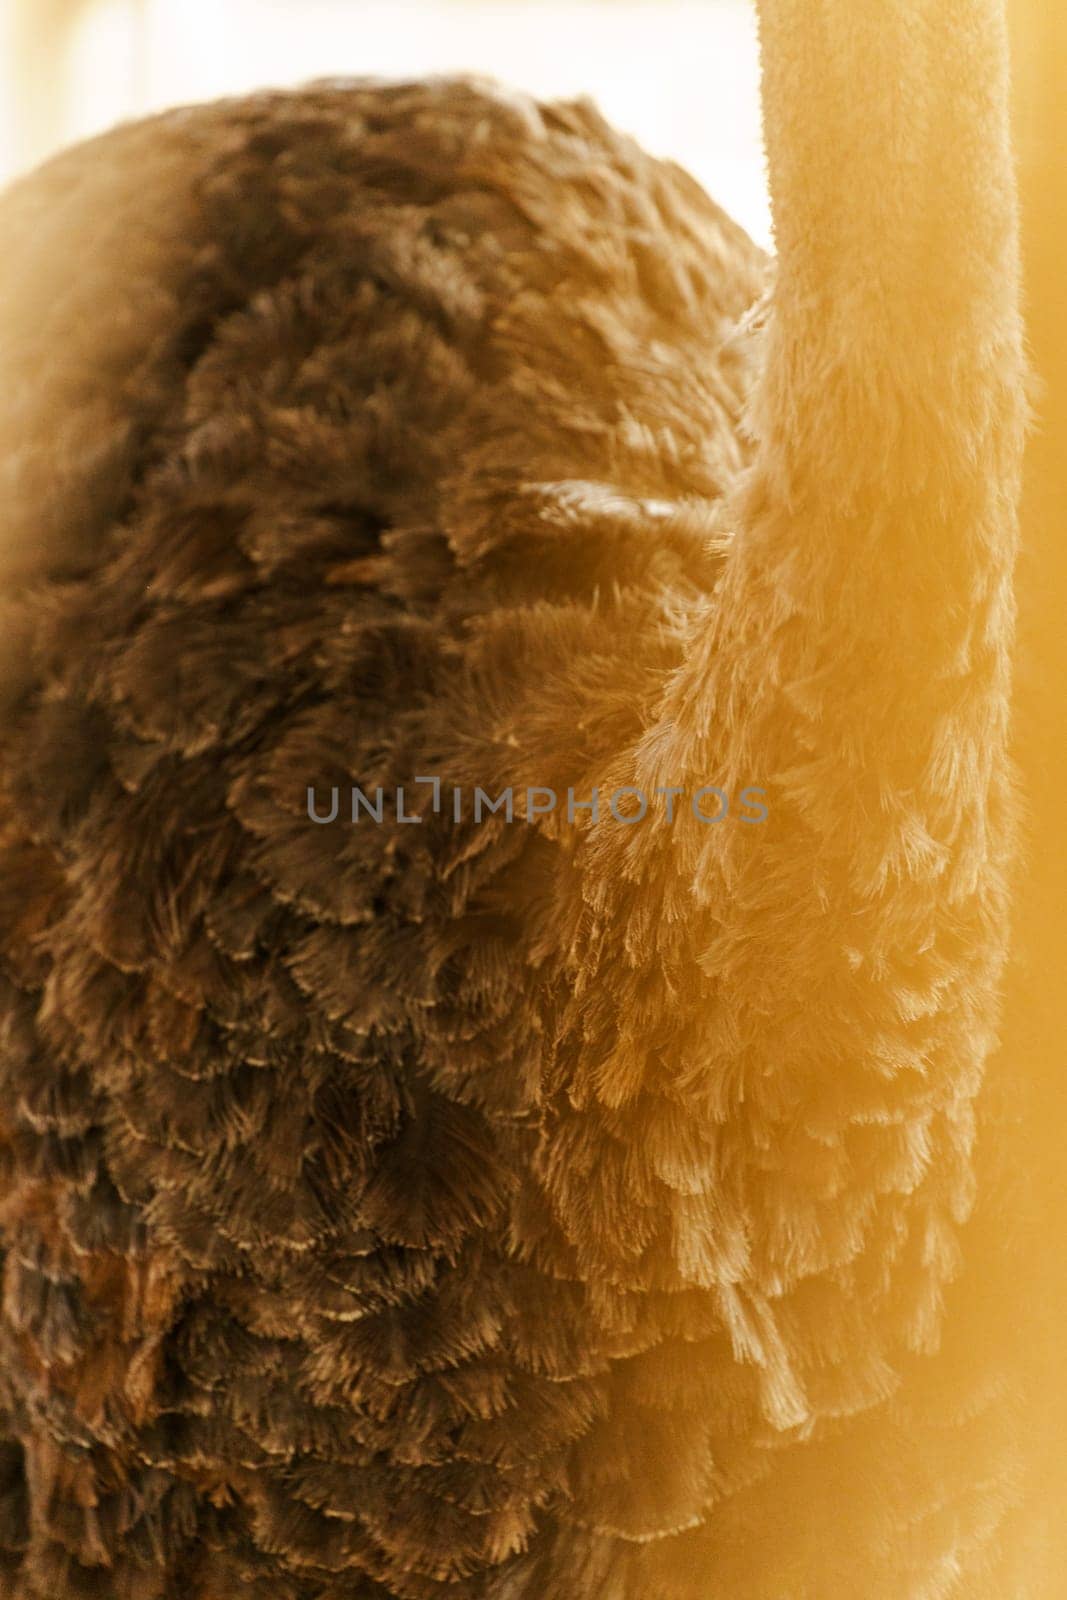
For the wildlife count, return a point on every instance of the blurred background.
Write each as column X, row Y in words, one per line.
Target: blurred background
column 73, row 67
column 682, row 75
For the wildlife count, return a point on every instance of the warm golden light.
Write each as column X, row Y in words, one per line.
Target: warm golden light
column 532, row 885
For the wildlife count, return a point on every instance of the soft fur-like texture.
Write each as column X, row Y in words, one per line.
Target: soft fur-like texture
column 505, row 1211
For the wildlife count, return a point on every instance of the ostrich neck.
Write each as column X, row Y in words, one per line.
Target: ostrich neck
column 857, row 648
column 886, row 125
column 875, row 531
column 887, row 133
column 829, row 977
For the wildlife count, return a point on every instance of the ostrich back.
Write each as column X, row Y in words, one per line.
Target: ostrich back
column 354, row 436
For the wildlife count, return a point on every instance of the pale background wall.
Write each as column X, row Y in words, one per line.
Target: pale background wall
column 682, row 75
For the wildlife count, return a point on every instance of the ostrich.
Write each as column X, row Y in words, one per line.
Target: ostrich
column 405, row 1204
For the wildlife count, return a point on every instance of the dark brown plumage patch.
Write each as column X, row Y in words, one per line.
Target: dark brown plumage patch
column 370, row 1229
column 268, row 1321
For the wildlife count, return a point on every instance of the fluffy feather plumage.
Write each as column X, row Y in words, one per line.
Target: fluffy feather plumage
column 476, row 1210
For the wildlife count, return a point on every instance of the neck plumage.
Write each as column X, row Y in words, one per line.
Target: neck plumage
column 855, row 658
column 875, row 532
column 886, row 125
column 840, row 963
column 812, row 997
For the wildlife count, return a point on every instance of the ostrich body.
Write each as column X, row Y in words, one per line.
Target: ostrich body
column 553, row 1207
